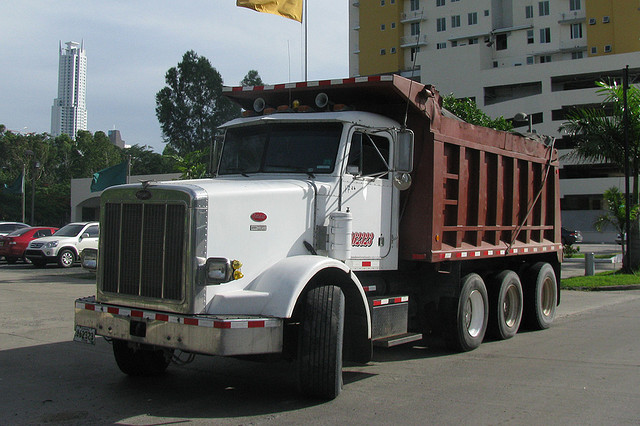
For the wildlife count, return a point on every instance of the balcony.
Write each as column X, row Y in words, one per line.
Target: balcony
column 414, row 16
column 572, row 17
column 575, row 45
column 413, row 41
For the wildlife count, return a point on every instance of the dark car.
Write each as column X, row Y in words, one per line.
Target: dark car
column 571, row 237
column 13, row 245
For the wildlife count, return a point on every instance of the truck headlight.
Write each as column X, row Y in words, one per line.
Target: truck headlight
column 221, row 270
column 51, row 244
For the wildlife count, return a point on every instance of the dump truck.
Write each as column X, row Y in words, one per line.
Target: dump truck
column 343, row 214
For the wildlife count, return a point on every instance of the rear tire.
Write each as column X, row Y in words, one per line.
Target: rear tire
column 319, row 360
column 66, row 258
column 470, row 321
column 541, row 296
column 12, row 260
column 140, row 361
column 505, row 302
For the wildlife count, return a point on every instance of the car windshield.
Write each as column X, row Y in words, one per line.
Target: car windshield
column 18, row 232
column 70, row 230
column 281, row 148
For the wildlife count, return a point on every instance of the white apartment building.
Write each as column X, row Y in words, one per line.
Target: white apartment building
column 536, row 57
column 69, row 110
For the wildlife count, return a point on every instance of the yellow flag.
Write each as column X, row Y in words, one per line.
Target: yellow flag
column 291, row 9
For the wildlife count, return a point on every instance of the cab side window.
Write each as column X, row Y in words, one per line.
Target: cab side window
column 92, row 231
column 370, row 154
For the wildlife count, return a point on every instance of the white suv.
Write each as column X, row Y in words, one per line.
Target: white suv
column 64, row 246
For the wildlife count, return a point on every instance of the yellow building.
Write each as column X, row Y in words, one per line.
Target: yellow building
column 379, row 33
column 613, row 26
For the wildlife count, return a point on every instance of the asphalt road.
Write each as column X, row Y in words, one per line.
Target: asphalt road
column 583, row 370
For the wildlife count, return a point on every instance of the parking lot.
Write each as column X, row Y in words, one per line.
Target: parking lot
column 584, row 370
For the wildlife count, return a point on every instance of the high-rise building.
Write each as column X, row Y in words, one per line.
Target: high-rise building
column 116, row 138
column 541, row 58
column 69, row 110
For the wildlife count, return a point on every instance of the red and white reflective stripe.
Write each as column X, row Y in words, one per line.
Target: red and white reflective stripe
column 304, row 84
column 368, row 288
column 390, row 301
column 180, row 319
column 492, row 253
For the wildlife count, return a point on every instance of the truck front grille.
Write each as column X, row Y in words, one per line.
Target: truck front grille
column 144, row 250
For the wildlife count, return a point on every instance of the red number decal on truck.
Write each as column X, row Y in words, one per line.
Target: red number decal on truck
column 362, row 239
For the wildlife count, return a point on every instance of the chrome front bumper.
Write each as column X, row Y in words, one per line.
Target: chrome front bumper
column 223, row 335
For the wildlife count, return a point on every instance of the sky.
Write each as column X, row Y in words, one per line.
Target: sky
column 130, row 45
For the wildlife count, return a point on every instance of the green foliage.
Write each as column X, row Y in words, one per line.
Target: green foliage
column 616, row 214
column 144, row 161
column 467, row 110
column 569, row 250
column 193, row 165
column 601, row 279
column 191, row 106
column 252, row 79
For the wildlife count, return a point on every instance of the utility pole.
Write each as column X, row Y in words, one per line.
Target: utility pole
column 627, row 201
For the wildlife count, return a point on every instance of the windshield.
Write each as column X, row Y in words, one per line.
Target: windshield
column 281, row 148
column 18, row 232
column 70, row 230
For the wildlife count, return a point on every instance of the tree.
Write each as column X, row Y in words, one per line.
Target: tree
column 467, row 110
column 252, row 79
column 616, row 211
column 191, row 106
column 598, row 133
column 146, row 162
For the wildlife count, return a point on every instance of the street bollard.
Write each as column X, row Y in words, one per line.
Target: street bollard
column 589, row 265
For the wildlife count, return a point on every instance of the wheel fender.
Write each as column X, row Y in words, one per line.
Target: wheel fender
column 72, row 248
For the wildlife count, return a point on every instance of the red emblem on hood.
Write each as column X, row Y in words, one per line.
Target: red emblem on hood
column 258, row 217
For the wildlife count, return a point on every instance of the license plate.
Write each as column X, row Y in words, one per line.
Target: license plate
column 85, row 335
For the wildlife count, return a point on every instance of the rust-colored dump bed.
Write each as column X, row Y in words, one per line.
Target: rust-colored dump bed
column 476, row 192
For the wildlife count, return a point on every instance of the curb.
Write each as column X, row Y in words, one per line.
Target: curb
column 605, row 288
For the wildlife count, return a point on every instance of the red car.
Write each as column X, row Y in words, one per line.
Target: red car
column 13, row 245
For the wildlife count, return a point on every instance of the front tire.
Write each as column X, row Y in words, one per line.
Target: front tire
column 136, row 360
column 66, row 258
column 319, row 359
column 505, row 314
column 471, row 316
column 12, row 260
column 541, row 296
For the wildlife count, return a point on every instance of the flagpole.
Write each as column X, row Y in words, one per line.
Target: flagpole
column 24, row 170
column 128, row 167
column 306, row 26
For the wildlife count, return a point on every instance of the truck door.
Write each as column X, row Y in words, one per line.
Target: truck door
column 368, row 195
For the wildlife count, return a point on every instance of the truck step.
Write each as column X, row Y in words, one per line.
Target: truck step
column 399, row 339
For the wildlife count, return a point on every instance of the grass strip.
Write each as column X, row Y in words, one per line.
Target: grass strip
column 601, row 279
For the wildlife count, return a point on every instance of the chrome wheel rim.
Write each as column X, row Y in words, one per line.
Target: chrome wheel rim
column 547, row 297
column 67, row 258
column 474, row 313
column 511, row 306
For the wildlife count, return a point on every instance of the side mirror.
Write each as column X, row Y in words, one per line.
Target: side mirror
column 403, row 155
column 352, row 169
column 85, row 235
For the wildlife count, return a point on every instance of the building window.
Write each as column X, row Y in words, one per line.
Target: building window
column 530, row 37
column 383, row 52
column 414, row 53
column 592, row 21
column 383, row 27
column 414, row 5
column 530, row 60
column 495, row 64
column 607, row 48
column 454, row 43
column 439, row 3
column 415, row 29
column 473, row 40
column 545, row 35
column 455, row 21
column 576, row 55
column 576, row 31
column 393, row 50
column 545, row 58
column 393, row 2
column 486, row 12
column 528, row 10
column 381, row 2
column 543, row 8
column 605, row 19
column 453, row 1
column 441, row 46
column 594, row 50
column 574, row 4
column 393, row 25
column 473, row 18
column 441, row 24
column 501, row 42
